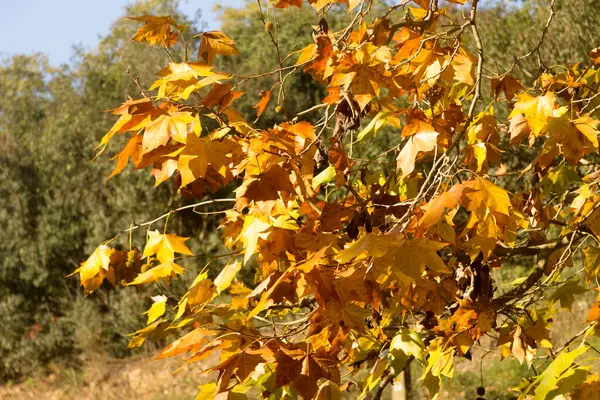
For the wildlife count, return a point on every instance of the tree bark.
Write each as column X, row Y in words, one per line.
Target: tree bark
column 401, row 386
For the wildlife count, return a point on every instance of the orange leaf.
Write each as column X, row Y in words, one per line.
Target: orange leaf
column 286, row 3
column 595, row 54
column 439, row 204
column 263, row 102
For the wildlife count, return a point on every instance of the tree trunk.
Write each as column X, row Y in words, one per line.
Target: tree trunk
column 401, row 387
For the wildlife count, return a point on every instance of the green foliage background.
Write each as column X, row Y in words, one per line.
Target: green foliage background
column 57, row 207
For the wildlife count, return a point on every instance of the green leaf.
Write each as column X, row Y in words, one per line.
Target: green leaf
column 405, row 344
column 560, row 180
column 566, row 293
column 376, row 123
column 547, row 380
column 326, row 176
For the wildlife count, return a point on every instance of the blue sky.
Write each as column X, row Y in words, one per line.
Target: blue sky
column 54, row 26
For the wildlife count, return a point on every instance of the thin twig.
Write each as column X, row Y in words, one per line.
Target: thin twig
column 133, row 77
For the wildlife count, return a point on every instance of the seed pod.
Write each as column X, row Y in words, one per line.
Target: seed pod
column 480, row 390
column 278, row 109
column 268, row 26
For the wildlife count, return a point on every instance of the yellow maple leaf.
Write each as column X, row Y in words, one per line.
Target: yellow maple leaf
column 423, row 141
column 158, row 308
column 201, row 153
column 483, row 195
column 164, row 271
column 407, row 261
column 179, row 80
column 168, row 126
column 157, row 30
column 320, row 4
column 215, row 42
column 165, row 246
column 226, row 276
column 589, row 127
column 254, row 228
column 92, row 271
column 369, row 245
column 463, row 64
column 536, row 110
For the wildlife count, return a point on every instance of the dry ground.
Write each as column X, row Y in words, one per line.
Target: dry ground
column 108, row 379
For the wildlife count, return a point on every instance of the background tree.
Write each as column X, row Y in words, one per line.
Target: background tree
column 58, row 204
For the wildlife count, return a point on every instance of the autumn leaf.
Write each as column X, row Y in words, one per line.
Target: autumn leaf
column 383, row 117
column 157, row 30
column 589, row 389
column 423, row 141
column 405, row 344
column 133, row 150
column 519, row 129
column 506, row 84
column 226, row 276
column 567, row 292
column 362, row 71
column 163, row 172
column 155, row 330
column 592, row 263
column 92, row 271
column 370, row 244
column 589, row 127
column 239, row 365
column 439, row 363
column 254, row 229
column 348, row 242
column 409, row 259
column 536, row 110
column 180, row 80
column 483, row 196
column 159, row 132
column 439, row 204
column 134, row 115
column 221, row 95
column 157, row 309
column 317, row 58
column 595, row 55
column 201, row 291
column 324, row 177
column 262, row 103
column 164, row 271
column 286, row 3
column 320, row 4
column 200, row 156
column 463, row 65
column 164, row 246
column 194, row 340
column 547, row 380
column 215, row 42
